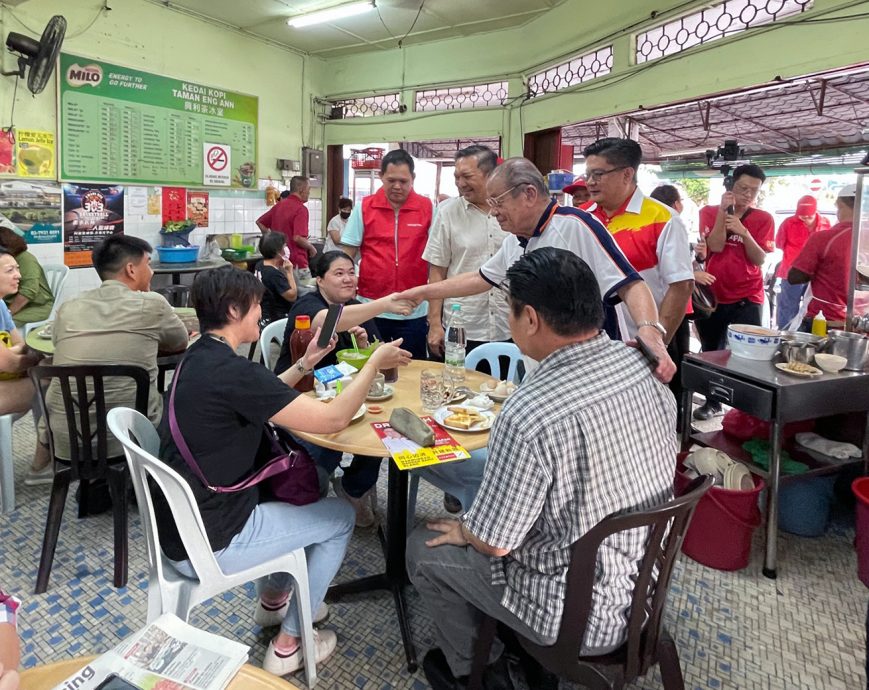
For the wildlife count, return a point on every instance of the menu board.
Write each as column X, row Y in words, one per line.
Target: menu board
column 122, row 125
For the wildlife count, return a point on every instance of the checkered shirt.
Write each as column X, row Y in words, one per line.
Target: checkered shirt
column 591, row 432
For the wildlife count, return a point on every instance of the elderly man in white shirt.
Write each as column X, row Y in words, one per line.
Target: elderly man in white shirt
column 462, row 238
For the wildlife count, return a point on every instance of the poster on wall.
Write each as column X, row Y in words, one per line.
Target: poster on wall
column 123, row 125
column 7, row 151
column 35, row 151
column 174, row 204
column 197, row 208
column 91, row 213
column 35, row 207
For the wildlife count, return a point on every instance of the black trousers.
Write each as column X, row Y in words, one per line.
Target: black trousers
column 713, row 329
column 679, row 346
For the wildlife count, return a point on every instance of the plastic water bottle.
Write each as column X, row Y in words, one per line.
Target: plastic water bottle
column 454, row 348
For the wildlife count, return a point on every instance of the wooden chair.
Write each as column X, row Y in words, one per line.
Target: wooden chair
column 648, row 643
column 82, row 389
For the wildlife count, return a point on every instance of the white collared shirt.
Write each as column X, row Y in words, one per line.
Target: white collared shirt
column 462, row 238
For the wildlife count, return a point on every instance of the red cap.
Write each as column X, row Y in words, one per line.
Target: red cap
column 578, row 183
column 807, row 205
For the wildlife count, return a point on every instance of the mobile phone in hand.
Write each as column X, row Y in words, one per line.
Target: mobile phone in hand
column 115, row 682
column 330, row 324
column 647, row 352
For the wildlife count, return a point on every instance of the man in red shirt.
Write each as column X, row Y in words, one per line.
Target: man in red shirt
column 825, row 261
column 791, row 238
column 290, row 218
column 578, row 191
column 738, row 238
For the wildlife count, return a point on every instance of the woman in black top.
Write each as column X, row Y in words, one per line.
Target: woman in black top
column 222, row 403
column 276, row 273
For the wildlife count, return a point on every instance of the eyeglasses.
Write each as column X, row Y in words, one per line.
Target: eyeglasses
column 745, row 190
column 597, row 175
column 496, row 201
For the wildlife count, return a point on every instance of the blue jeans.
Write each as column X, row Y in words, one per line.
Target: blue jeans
column 461, row 479
column 414, row 332
column 358, row 478
column 323, row 529
column 789, row 298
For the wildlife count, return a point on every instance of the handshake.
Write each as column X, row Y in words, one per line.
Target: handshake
column 403, row 303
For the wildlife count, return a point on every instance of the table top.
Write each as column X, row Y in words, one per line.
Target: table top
column 188, row 267
column 359, row 438
column 47, row 676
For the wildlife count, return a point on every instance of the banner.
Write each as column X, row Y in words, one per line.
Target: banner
column 35, row 207
column 35, row 153
column 91, row 213
column 197, row 208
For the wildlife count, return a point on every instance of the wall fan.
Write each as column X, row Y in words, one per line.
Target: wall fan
column 40, row 56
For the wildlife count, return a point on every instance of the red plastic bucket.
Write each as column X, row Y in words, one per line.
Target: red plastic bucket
column 720, row 532
column 860, row 487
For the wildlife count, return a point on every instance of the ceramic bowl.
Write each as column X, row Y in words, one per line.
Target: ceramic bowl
column 830, row 363
column 752, row 342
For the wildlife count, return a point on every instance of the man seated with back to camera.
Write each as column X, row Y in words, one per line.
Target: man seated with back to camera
column 589, row 432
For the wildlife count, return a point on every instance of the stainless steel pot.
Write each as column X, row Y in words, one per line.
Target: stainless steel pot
column 800, row 347
column 854, row 347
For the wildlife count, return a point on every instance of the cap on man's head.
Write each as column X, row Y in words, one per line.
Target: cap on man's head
column 848, row 190
column 579, row 183
column 807, row 205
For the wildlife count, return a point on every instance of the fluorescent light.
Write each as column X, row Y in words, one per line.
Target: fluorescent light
column 331, row 14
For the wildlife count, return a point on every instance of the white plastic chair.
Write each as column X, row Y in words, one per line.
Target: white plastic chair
column 56, row 275
column 168, row 590
column 273, row 332
column 7, row 461
column 489, row 352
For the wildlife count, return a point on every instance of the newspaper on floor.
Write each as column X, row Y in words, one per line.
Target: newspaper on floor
column 168, row 654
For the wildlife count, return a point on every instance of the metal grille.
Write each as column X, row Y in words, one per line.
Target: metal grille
column 722, row 20
column 369, row 106
column 462, row 97
column 576, row 71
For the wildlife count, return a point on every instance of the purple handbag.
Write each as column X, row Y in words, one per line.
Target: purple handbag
column 291, row 474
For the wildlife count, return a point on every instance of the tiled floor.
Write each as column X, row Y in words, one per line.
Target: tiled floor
column 733, row 630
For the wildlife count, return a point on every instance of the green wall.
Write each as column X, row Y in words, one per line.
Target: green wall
column 150, row 37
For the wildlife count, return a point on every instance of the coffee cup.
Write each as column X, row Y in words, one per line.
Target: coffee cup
column 378, row 386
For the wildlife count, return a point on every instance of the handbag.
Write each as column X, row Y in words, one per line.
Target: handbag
column 703, row 302
column 290, row 476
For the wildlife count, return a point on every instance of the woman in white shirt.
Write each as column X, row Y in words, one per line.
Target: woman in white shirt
column 336, row 224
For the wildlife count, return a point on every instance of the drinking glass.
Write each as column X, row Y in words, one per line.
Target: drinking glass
column 432, row 391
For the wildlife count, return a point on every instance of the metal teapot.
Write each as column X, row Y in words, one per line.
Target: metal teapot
column 800, row 347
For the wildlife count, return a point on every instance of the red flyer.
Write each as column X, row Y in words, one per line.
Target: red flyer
column 409, row 455
column 174, row 204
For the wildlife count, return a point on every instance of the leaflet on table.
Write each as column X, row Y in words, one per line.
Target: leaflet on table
column 168, row 654
column 409, row 455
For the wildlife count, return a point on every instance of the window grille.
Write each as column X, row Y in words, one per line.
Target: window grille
column 369, row 106
column 576, row 71
column 462, row 97
column 712, row 23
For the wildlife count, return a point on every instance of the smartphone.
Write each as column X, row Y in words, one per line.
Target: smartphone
column 647, row 351
column 115, row 682
column 330, row 324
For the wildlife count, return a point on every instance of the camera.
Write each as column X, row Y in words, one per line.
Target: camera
column 725, row 158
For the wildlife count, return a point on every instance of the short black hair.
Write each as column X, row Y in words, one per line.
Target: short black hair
column 344, row 202
column 298, row 183
column 487, row 160
column 321, row 264
column 12, row 241
column 271, row 244
column 116, row 251
column 285, row 194
column 666, row 194
column 618, row 152
column 397, row 157
column 560, row 287
column 216, row 290
column 751, row 170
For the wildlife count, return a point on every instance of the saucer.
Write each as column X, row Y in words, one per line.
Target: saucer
column 388, row 392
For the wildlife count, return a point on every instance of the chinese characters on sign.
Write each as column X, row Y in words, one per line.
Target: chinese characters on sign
column 92, row 213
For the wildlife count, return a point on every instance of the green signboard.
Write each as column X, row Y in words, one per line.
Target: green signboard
column 122, row 125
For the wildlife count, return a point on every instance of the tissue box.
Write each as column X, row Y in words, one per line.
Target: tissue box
column 326, row 375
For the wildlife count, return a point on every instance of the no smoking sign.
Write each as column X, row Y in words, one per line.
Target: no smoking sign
column 215, row 165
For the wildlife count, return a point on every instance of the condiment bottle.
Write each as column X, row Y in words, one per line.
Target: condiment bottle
column 819, row 324
column 302, row 335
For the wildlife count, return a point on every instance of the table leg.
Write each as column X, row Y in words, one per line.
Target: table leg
column 775, row 439
column 176, row 279
column 686, row 403
column 866, row 458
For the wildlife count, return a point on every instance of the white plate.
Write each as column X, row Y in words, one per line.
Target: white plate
column 781, row 366
column 359, row 413
column 44, row 332
column 442, row 413
column 388, row 392
column 486, row 390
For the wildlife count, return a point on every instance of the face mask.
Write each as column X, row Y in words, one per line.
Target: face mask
column 345, row 214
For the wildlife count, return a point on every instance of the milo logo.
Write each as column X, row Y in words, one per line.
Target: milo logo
column 77, row 75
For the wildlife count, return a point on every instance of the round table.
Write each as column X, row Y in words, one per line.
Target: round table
column 48, row 676
column 359, row 438
column 176, row 269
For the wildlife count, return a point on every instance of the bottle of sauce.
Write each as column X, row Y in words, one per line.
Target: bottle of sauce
column 302, row 335
column 819, row 324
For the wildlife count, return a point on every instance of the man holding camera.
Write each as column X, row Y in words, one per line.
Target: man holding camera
column 738, row 238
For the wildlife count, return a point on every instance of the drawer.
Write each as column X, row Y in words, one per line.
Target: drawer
column 742, row 395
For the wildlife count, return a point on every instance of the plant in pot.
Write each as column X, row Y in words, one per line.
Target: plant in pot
column 176, row 233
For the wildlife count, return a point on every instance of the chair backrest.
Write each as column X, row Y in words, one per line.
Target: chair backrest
column 56, row 274
column 176, row 295
column 82, row 389
column 667, row 525
column 273, row 332
column 491, row 352
column 127, row 425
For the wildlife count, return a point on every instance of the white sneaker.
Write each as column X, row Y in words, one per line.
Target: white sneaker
column 268, row 617
column 37, row 477
column 324, row 644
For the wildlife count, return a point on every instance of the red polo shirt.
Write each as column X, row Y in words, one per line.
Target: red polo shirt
column 736, row 278
column 791, row 238
column 290, row 218
column 827, row 259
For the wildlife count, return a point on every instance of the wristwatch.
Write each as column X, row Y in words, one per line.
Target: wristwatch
column 657, row 325
column 301, row 368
